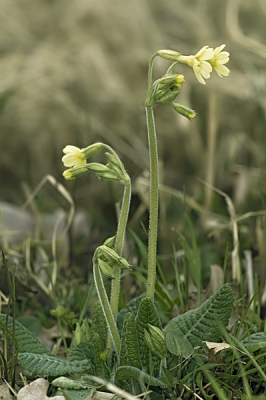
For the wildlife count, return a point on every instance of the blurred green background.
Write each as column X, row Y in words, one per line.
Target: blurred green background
column 75, row 72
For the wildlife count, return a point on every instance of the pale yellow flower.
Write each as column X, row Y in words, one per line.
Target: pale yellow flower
column 67, row 174
column 74, row 156
column 219, row 59
column 76, row 172
column 200, row 63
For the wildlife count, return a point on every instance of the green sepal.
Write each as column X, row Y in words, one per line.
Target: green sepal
column 106, row 268
column 110, row 242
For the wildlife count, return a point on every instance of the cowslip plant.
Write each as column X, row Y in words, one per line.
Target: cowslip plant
column 130, row 348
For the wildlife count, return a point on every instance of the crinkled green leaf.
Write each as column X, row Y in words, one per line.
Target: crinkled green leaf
column 132, row 307
column 98, row 324
column 77, row 384
column 100, row 366
column 129, row 354
column 46, row 365
column 147, row 314
column 83, row 351
column 135, row 374
column 204, row 323
column 73, row 394
column 255, row 342
column 26, row 341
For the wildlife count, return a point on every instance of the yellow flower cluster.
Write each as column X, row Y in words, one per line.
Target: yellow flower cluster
column 206, row 59
column 202, row 62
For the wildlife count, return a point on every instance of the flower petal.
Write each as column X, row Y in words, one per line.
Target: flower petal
column 70, row 149
column 198, row 75
column 218, row 50
column 205, row 53
column 205, row 69
column 222, row 70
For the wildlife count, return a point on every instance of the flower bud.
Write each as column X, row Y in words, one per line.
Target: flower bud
column 97, row 167
column 114, row 164
column 81, row 333
column 103, row 172
column 104, row 354
column 168, row 55
column 75, row 172
column 114, row 160
column 168, row 88
column 106, row 268
column 185, row 111
column 77, row 335
column 177, row 84
column 60, row 311
column 110, row 242
column 112, row 256
column 168, row 97
column 155, row 346
column 168, row 79
column 157, row 333
column 92, row 150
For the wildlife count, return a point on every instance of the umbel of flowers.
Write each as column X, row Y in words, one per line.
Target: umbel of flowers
column 203, row 62
column 108, row 258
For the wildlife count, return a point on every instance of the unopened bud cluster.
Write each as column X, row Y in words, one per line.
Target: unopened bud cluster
column 81, row 334
column 156, row 341
column 165, row 89
column 107, row 258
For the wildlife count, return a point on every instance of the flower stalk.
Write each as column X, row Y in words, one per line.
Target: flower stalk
column 111, row 323
column 154, row 202
column 108, row 258
column 165, row 90
column 120, row 234
column 76, row 161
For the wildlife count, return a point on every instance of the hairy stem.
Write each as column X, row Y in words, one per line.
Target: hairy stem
column 119, row 247
column 154, row 202
column 154, row 188
column 106, row 308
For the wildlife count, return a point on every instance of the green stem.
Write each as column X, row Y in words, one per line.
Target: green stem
column 86, row 304
column 154, row 189
column 154, row 202
column 150, row 71
column 120, row 234
column 106, row 307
